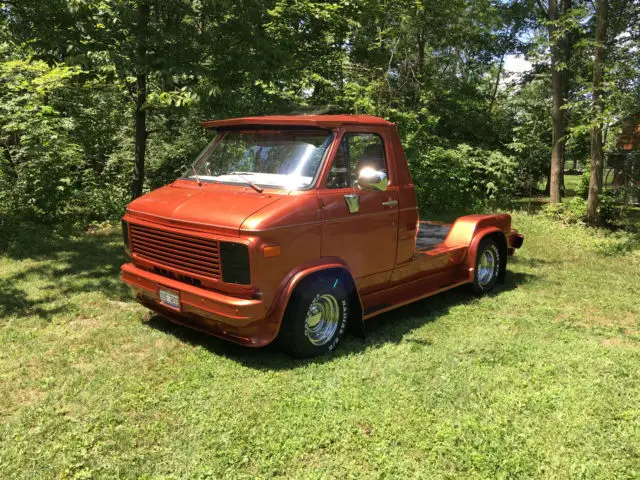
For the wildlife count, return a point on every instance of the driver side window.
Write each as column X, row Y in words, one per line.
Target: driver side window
column 356, row 151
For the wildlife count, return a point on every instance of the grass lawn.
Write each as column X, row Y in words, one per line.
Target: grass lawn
column 540, row 379
column 571, row 184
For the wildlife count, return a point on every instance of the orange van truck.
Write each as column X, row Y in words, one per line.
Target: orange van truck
column 297, row 228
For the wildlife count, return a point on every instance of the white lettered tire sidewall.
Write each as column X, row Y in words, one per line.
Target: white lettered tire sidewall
column 487, row 243
column 293, row 337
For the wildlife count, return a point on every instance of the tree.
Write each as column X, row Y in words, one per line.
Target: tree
column 145, row 72
column 595, row 181
column 146, row 44
column 560, row 53
column 39, row 161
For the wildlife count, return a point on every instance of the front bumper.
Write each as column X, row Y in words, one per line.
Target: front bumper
column 240, row 320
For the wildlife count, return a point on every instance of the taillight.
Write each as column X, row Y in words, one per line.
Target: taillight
column 234, row 258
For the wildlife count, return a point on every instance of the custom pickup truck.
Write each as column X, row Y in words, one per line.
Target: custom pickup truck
column 296, row 228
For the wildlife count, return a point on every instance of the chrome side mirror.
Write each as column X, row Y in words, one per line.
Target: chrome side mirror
column 375, row 180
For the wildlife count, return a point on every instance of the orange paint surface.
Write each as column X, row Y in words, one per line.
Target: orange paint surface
column 177, row 233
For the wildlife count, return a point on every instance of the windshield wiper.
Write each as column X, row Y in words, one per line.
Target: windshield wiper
column 247, row 181
column 195, row 172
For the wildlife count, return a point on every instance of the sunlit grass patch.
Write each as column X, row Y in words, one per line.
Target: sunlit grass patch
column 540, row 379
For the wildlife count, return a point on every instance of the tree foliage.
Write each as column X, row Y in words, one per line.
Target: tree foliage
column 102, row 99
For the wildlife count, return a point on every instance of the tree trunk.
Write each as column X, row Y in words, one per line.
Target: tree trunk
column 420, row 47
column 141, row 136
column 494, row 94
column 566, row 45
column 547, row 185
column 137, row 181
column 559, row 59
column 595, row 182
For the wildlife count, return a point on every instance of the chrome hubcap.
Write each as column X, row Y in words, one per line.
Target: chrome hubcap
column 486, row 267
column 322, row 319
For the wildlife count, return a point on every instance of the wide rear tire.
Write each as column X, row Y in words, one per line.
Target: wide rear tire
column 316, row 317
column 488, row 264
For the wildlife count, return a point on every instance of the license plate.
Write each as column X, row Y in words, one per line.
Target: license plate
column 170, row 298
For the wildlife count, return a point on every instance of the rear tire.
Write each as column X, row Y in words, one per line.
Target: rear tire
column 488, row 264
column 316, row 317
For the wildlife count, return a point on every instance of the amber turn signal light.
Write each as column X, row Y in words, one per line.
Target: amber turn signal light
column 271, row 251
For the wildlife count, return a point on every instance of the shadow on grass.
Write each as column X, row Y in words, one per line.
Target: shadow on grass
column 65, row 266
column 391, row 327
column 530, row 261
column 60, row 266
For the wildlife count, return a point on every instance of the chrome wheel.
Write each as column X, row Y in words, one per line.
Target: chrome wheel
column 322, row 319
column 486, row 267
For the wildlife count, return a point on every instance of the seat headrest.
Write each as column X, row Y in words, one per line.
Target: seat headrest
column 373, row 157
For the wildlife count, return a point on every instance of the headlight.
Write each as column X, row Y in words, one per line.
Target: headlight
column 234, row 259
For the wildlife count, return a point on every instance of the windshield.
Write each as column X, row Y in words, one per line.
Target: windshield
column 288, row 159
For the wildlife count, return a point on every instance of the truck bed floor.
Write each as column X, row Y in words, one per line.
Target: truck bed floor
column 431, row 235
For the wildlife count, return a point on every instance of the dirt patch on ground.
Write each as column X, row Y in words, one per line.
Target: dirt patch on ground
column 619, row 342
column 87, row 323
column 596, row 318
column 120, row 304
column 20, row 398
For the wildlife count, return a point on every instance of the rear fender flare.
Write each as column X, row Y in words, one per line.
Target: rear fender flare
column 472, row 252
column 328, row 265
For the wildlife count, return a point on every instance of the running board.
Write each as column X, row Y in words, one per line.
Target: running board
column 404, row 293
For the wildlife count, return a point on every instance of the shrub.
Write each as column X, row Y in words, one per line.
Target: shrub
column 611, row 205
column 464, row 178
column 582, row 190
column 611, row 209
column 573, row 211
column 40, row 164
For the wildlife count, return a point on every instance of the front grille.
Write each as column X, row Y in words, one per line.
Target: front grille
column 182, row 278
column 176, row 252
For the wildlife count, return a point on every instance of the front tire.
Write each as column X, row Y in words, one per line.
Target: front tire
column 316, row 317
column 488, row 264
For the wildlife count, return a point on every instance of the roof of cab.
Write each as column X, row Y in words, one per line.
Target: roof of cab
column 321, row 121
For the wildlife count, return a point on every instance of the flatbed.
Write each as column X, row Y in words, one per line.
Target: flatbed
column 431, row 235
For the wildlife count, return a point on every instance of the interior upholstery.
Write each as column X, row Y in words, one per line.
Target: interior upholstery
column 373, row 157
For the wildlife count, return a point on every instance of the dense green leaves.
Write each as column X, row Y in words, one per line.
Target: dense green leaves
column 71, row 88
column 41, row 162
column 465, row 178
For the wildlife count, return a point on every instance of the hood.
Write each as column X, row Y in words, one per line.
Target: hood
column 218, row 208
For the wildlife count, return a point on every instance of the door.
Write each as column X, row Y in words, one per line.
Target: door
column 366, row 239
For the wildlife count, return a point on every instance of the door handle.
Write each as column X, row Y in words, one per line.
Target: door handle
column 390, row 203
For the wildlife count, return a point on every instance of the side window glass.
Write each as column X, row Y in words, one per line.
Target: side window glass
column 339, row 176
column 366, row 150
column 356, row 151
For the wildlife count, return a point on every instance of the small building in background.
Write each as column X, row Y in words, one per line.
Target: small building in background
column 624, row 162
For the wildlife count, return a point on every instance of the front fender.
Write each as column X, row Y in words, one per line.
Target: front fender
column 299, row 273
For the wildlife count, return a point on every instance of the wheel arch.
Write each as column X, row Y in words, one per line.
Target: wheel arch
column 335, row 267
column 501, row 241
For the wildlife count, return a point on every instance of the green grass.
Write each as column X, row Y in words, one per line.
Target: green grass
column 571, row 184
column 539, row 380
